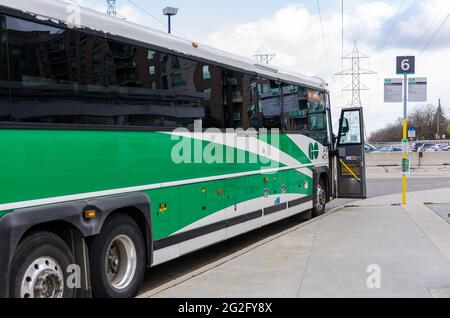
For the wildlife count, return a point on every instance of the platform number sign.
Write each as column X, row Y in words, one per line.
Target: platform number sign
column 406, row 64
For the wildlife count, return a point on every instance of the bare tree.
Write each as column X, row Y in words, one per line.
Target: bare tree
column 424, row 119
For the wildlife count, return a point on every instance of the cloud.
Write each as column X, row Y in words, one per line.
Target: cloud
column 405, row 30
column 124, row 10
column 293, row 33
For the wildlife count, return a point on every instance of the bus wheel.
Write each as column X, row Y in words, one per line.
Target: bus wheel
column 321, row 200
column 117, row 259
column 38, row 269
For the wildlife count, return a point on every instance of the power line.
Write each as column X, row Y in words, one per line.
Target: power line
column 435, row 18
column 393, row 23
column 146, row 12
column 434, row 35
column 323, row 38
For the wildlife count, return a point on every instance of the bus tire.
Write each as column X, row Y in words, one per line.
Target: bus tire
column 321, row 200
column 117, row 259
column 39, row 268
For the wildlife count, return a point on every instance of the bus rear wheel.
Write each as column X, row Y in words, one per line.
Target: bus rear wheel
column 117, row 259
column 39, row 266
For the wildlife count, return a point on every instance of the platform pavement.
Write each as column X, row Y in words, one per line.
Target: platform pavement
column 330, row 256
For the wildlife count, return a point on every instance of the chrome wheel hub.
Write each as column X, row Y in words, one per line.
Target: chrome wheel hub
column 43, row 279
column 321, row 198
column 121, row 262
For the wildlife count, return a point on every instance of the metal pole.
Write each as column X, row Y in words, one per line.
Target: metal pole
column 438, row 119
column 169, row 24
column 405, row 137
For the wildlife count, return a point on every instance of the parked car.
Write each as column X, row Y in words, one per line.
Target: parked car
column 426, row 147
column 370, row 148
column 416, row 145
column 437, row 147
column 395, row 148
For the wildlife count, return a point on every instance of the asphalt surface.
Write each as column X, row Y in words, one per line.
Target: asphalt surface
column 381, row 187
column 376, row 187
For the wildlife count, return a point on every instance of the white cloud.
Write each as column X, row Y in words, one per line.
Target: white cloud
column 124, row 10
column 294, row 34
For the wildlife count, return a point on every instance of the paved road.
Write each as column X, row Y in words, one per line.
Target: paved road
column 381, row 187
column 167, row 272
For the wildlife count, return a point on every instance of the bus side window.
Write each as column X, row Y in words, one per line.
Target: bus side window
column 317, row 116
column 270, row 103
column 254, row 110
column 4, row 93
column 295, row 109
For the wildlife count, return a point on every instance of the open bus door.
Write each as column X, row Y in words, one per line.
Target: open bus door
column 351, row 160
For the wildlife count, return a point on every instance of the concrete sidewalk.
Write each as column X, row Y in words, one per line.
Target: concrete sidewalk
column 330, row 256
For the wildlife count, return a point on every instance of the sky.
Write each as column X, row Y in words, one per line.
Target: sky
column 307, row 42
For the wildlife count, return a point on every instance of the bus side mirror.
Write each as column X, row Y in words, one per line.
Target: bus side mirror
column 345, row 127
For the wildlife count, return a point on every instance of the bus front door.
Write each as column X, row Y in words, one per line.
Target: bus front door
column 351, row 165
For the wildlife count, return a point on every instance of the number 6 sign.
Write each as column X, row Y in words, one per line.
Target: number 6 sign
column 406, row 64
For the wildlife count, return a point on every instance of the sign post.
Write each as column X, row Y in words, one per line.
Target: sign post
column 405, row 65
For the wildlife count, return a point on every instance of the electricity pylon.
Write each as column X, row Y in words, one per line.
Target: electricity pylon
column 264, row 58
column 112, row 8
column 355, row 72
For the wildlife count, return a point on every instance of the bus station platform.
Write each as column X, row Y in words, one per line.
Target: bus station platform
column 406, row 249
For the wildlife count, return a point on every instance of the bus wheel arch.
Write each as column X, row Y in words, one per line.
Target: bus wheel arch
column 60, row 228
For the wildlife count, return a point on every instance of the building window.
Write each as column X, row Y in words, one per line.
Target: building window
column 151, row 55
column 206, row 73
column 177, row 80
column 152, row 70
column 207, row 93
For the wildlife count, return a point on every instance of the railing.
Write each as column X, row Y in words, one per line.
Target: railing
column 389, row 144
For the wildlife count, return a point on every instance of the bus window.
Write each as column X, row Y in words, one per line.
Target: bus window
column 4, row 92
column 295, row 109
column 255, row 115
column 240, row 100
column 208, row 82
column 270, row 103
column 353, row 128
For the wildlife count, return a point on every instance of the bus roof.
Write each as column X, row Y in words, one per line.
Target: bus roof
column 80, row 17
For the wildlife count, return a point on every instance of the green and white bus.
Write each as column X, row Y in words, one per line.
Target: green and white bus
column 122, row 148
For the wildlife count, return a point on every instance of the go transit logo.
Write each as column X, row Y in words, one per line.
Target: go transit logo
column 314, row 151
